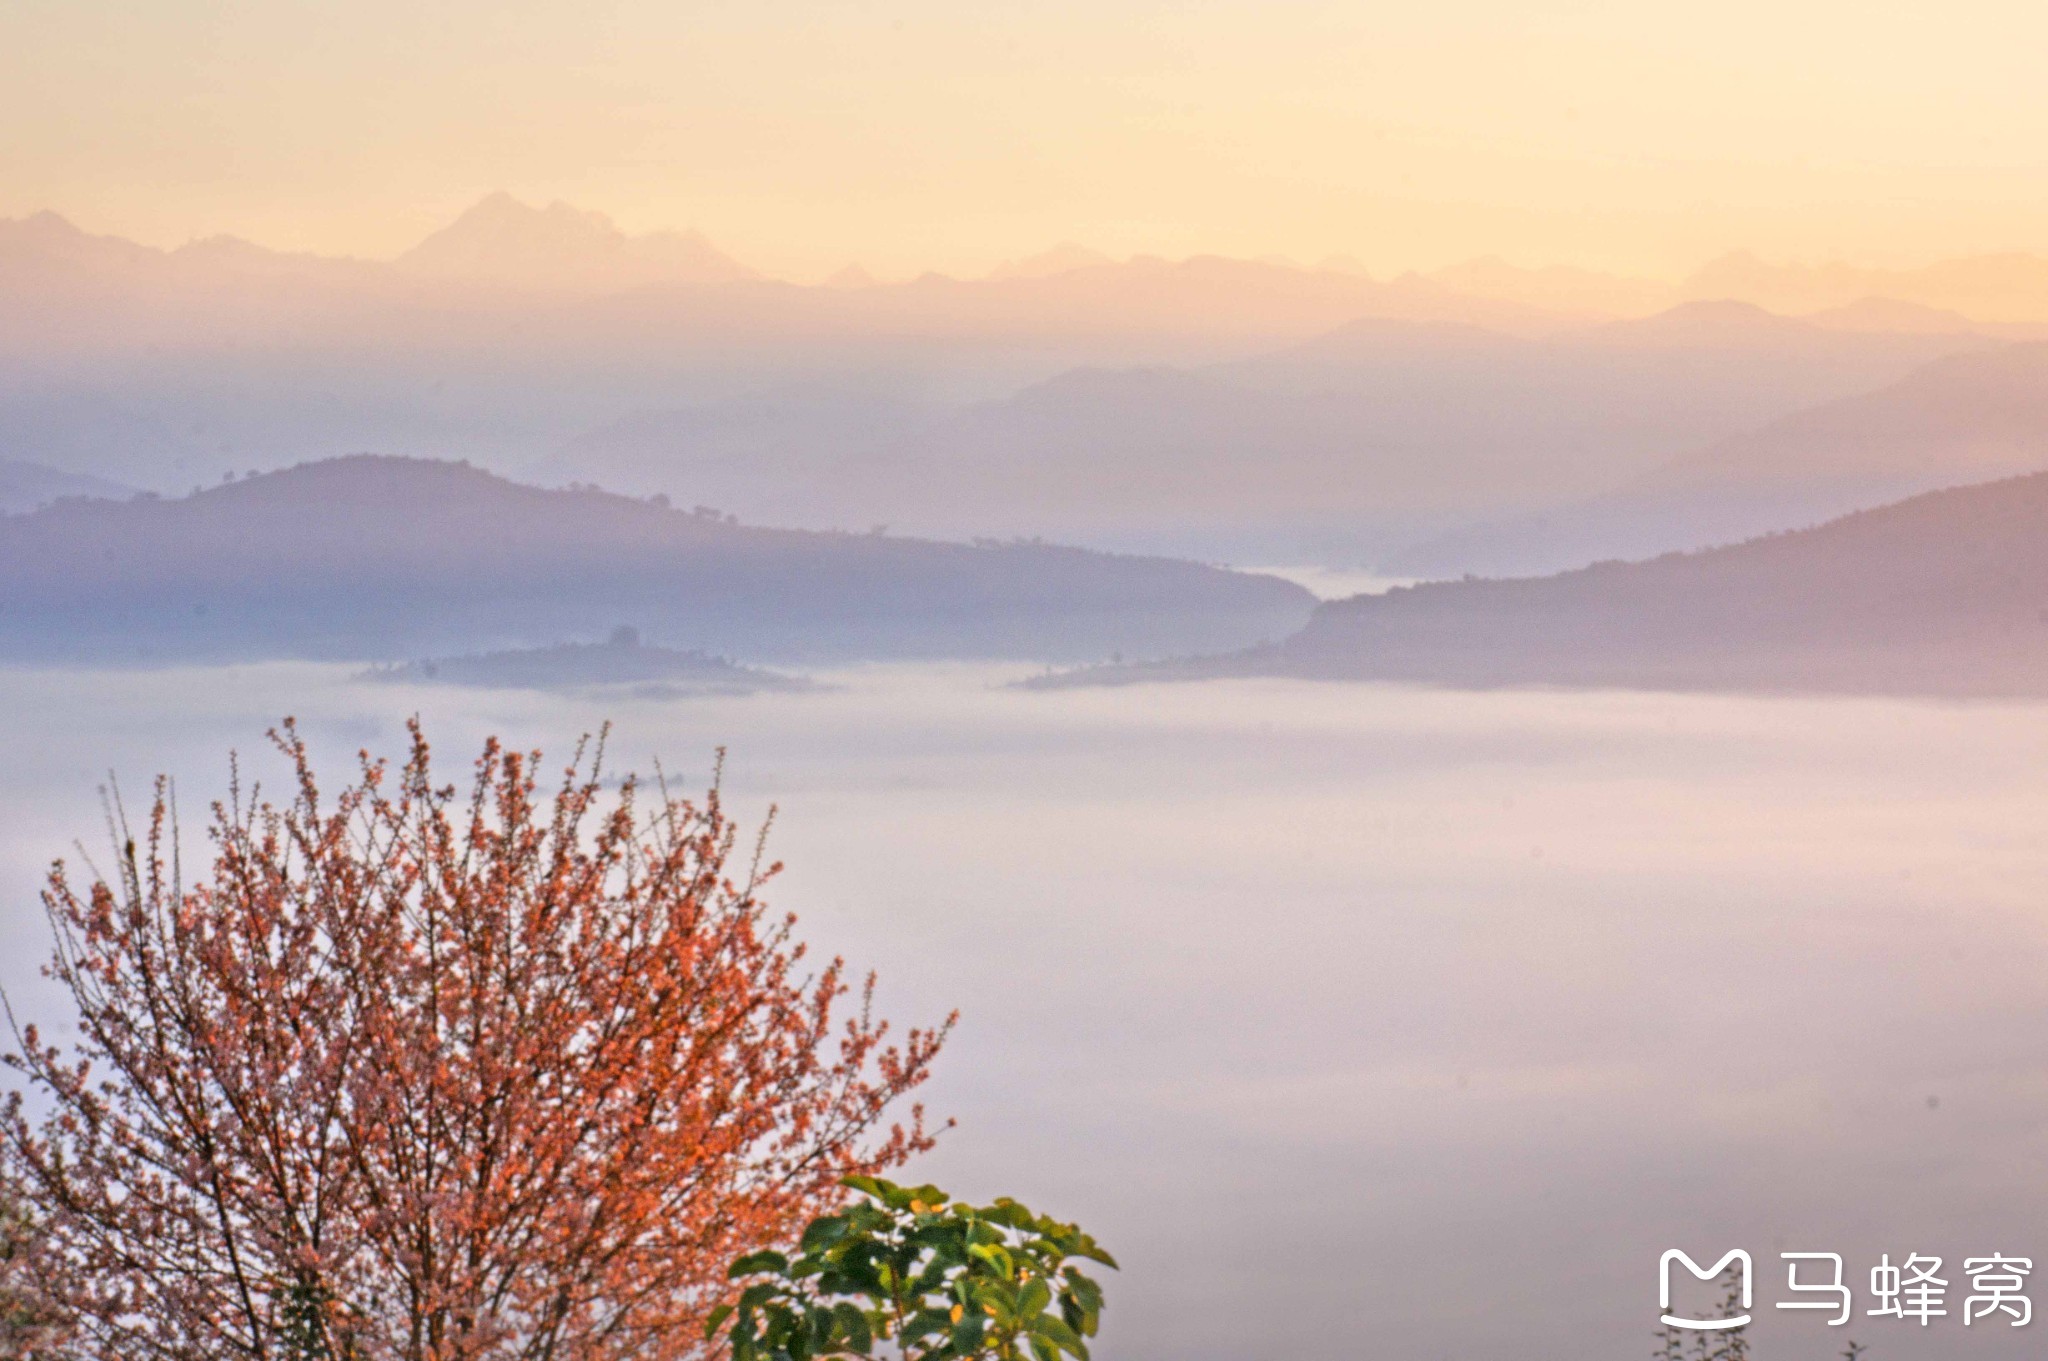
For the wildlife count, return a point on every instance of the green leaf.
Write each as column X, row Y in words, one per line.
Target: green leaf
column 755, row 1263
column 935, row 1232
column 1088, row 1248
column 823, row 1232
column 1084, row 1287
column 930, row 1279
column 853, row 1325
column 848, row 1283
column 822, row 1322
column 995, row 1256
column 865, row 1221
column 717, row 1317
column 1060, row 1335
column 965, row 1339
column 1035, row 1296
column 754, row 1296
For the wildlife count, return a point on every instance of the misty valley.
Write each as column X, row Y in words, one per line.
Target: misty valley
column 1451, row 774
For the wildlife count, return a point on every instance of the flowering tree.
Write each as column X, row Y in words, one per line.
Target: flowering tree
column 426, row 1075
column 31, row 1328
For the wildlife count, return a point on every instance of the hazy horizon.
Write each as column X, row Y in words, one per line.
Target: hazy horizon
column 1649, row 290
column 1593, row 132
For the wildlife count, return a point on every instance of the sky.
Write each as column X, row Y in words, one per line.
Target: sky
column 931, row 134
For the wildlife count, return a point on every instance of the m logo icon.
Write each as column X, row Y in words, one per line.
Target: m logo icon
column 1705, row 1274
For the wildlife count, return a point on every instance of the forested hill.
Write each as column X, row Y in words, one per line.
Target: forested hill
column 1946, row 593
column 369, row 558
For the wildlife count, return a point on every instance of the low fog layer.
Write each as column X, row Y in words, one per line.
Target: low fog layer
column 1358, row 1020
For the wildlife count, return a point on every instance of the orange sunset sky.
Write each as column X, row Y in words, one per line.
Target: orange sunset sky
column 803, row 134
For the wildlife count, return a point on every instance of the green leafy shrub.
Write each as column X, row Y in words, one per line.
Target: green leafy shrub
column 940, row 1279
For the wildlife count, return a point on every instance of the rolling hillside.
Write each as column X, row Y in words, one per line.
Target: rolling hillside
column 368, row 558
column 1946, row 593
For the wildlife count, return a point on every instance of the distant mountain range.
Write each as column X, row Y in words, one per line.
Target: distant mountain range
column 504, row 242
column 1249, row 411
column 2008, row 289
column 2011, row 287
column 1341, row 447
column 501, row 241
column 383, row 558
column 1945, row 594
column 498, row 242
column 1970, row 417
column 502, row 245
column 506, row 334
